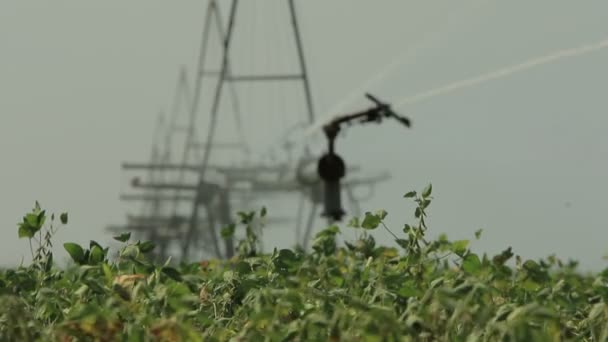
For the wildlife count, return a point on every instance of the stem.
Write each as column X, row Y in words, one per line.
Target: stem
column 385, row 227
column 31, row 248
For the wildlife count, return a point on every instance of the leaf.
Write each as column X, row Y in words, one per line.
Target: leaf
column 407, row 228
column 25, row 230
column 408, row 290
column 427, row 191
column 96, row 255
column 48, row 263
column 287, row 255
column 350, row 246
column 471, row 264
column 93, row 243
column 381, row 214
column 503, row 257
column 460, row 247
column 107, row 272
column 410, row 194
column 243, row 267
column 172, row 273
column 40, row 219
column 403, row 243
column 146, row 246
column 354, row 223
column 121, row 291
column 246, row 218
column 478, row 233
column 370, row 221
column 64, row 218
column 75, row 251
column 263, row 212
column 31, row 224
column 228, row 231
column 31, row 219
column 336, row 281
column 124, row 237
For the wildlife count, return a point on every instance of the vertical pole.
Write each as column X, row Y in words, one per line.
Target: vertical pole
column 296, row 32
column 196, row 95
column 309, row 104
column 218, row 91
column 235, row 101
column 212, row 124
column 225, row 220
column 299, row 218
column 311, row 217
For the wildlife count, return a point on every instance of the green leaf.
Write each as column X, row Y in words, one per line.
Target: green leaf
column 40, row 219
column 407, row 228
column 460, row 247
column 96, row 256
column 403, row 243
column 93, row 243
column 478, row 233
column 370, row 221
column 263, row 212
column 410, row 194
column 64, row 218
column 124, row 237
column 75, row 251
column 31, row 219
column 246, row 218
column 531, row 265
column 31, row 224
column 471, row 264
column 408, row 290
column 146, row 246
column 48, row 263
column 242, row 268
column 172, row 273
column 107, row 272
column 336, row 281
column 427, row 191
column 287, row 255
column 350, row 246
column 228, row 231
column 354, row 223
column 503, row 257
column 25, row 230
column 381, row 214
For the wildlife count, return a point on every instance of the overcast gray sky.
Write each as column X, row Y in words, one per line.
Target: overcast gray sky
column 523, row 157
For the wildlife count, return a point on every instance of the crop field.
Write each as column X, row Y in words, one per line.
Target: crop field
column 423, row 290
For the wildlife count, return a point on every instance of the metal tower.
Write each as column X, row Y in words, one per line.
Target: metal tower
column 215, row 187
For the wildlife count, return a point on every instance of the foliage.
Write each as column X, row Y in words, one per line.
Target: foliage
column 420, row 290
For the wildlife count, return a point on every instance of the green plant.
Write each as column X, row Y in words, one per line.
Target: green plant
column 33, row 228
column 420, row 290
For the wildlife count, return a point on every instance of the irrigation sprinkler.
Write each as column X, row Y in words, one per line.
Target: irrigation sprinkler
column 332, row 168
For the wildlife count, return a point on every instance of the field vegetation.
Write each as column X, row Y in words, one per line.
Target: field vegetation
column 420, row 290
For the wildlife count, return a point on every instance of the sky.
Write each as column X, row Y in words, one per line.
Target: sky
column 523, row 157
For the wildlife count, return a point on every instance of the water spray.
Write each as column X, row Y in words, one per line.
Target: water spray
column 500, row 73
column 504, row 72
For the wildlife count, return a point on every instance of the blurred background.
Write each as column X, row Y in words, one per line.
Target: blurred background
column 83, row 86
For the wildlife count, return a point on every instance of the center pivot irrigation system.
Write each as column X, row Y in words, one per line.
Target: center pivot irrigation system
column 188, row 201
